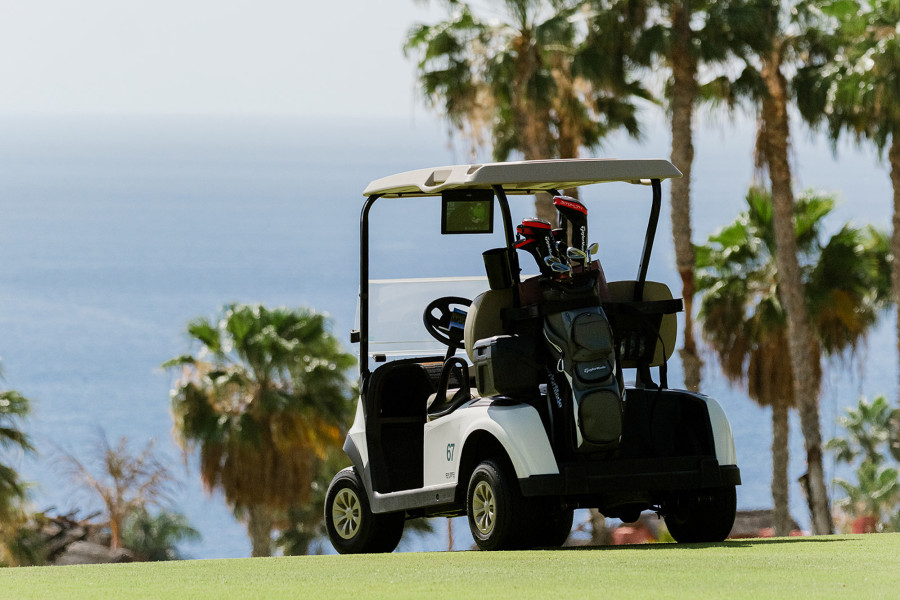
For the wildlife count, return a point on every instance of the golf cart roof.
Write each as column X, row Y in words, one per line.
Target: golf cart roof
column 522, row 177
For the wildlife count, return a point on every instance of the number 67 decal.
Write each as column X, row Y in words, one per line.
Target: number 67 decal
column 450, row 449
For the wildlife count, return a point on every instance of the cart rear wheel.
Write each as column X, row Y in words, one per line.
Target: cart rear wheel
column 551, row 527
column 701, row 515
column 352, row 526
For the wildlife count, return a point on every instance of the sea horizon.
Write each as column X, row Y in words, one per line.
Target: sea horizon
column 116, row 231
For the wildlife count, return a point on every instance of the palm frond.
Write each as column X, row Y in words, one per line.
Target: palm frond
column 740, row 310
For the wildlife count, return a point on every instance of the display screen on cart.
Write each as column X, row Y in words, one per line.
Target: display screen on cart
column 467, row 211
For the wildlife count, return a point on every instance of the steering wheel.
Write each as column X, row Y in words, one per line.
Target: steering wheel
column 441, row 322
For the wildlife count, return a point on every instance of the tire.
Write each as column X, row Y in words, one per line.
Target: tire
column 352, row 526
column 551, row 527
column 498, row 518
column 702, row 516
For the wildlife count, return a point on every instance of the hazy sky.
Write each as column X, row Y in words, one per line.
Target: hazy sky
column 271, row 57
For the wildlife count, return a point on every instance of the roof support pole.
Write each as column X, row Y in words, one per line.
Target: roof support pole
column 364, row 290
column 648, row 240
column 509, row 233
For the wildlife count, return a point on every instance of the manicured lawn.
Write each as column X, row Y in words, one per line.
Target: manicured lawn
column 806, row 568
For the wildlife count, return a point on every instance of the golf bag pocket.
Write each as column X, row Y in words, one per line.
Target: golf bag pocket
column 581, row 344
column 600, row 417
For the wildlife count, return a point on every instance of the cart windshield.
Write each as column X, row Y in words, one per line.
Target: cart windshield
column 396, row 327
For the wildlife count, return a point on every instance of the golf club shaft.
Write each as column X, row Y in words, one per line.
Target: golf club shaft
column 562, row 243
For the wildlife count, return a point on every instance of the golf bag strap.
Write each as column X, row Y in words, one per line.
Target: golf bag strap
column 548, row 308
column 648, row 307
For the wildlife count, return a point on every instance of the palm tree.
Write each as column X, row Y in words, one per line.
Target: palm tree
column 155, row 537
column 855, row 91
column 124, row 482
column 18, row 545
column 263, row 401
column 14, row 407
column 876, row 492
column 793, row 36
column 745, row 322
column 523, row 78
column 686, row 37
column 868, row 429
column 22, row 543
column 306, row 526
column 873, row 496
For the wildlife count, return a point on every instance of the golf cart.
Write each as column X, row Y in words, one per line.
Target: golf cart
column 523, row 415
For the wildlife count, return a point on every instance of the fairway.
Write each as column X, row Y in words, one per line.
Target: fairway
column 813, row 567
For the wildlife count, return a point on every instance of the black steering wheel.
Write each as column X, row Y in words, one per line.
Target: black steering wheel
column 445, row 325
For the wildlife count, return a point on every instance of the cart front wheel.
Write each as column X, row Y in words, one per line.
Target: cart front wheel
column 352, row 526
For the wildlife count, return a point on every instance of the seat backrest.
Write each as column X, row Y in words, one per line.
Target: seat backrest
column 484, row 319
column 399, row 389
column 623, row 291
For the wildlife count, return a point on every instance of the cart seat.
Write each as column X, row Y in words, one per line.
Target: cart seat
column 435, row 409
column 446, row 399
column 484, row 317
column 645, row 329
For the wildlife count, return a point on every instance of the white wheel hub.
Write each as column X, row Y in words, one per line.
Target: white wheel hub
column 484, row 507
column 346, row 513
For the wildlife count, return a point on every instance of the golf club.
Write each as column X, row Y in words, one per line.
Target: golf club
column 576, row 255
column 575, row 213
column 530, row 246
column 540, row 231
column 557, row 266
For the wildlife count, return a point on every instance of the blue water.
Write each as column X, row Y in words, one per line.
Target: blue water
column 114, row 233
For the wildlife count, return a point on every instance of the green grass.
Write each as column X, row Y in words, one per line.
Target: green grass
column 808, row 568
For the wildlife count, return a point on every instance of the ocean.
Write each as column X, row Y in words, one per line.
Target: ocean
column 116, row 231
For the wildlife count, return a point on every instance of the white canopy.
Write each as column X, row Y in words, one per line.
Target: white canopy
column 522, row 177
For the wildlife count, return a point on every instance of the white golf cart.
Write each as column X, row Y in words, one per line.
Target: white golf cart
column 534, row 420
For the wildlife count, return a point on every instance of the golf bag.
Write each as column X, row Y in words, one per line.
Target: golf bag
column 583, row 385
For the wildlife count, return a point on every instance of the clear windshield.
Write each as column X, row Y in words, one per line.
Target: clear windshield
column 396, row 326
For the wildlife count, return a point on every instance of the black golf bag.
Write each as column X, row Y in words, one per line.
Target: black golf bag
column 583, row 385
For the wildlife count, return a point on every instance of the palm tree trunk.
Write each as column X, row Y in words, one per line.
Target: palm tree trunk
column 532, row 121
column 544, row 209
column 259, row 528
column 894, row 157
column 684, row 92
column 780, row 455
column 450, row 535
column 801, row 338
column 569, row 136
